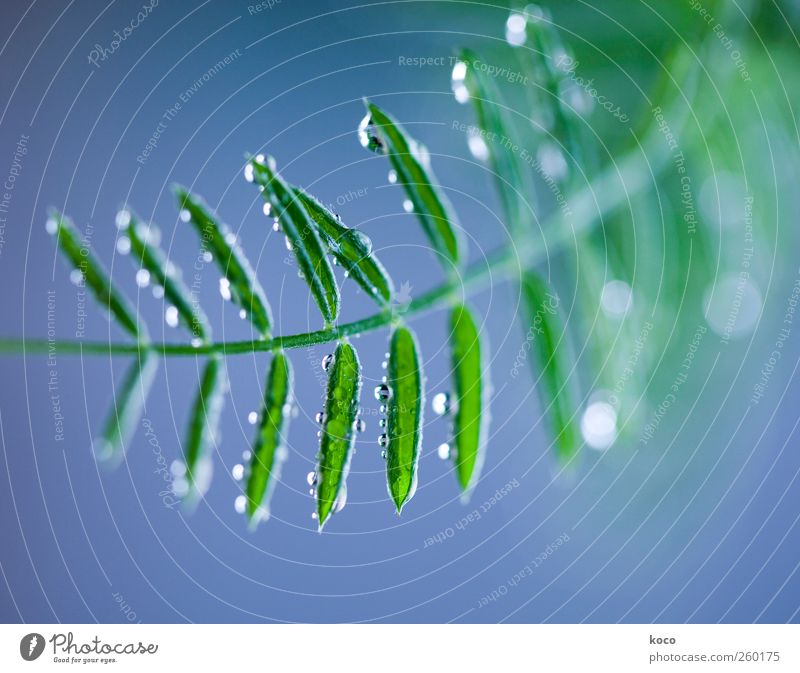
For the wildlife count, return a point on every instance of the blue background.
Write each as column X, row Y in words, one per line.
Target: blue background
column 699, row 525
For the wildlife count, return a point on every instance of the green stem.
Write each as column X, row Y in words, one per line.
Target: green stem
column 588, row 207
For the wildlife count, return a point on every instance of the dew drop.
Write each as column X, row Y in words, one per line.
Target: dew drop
column 242, row 314
column 457, row 82
column 267, row 209
column 142, row 278
column 408, row 206
column 314, row 515
column 51, row 226
column 392, row 177
column 171, row 316
column 207, row 256
column 359, row 425
column 123, row 219
column 230, row 238
column 320, row 417
column 76, row 276
column 311, row 478
column 123, row 245
column 515, row 29
column 382, row 422
column 599, row 425
column 249, row 173
column 441, row 404
column 383, row 455
column 252, row 417
column 276, row 224
column 327, row 362
column 443, row 451
column 240, row 504
column 341, row 500
column 158, row 291
column 364, row 242
column 196, row 342
column 225, row 288
column 367, row 135
column 185, row 215
column 383, row 440
column 238, row 472
column 478, row 147
column 383, row 393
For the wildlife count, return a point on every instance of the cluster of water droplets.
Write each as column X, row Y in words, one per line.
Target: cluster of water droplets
column 443, row 405
column 383, row 393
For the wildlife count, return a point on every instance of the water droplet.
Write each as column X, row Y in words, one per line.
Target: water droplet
column 320, row 417
column 185, row 215
column 171, row 316
column 123, row 245
column 267, row 208
column 364, row 242
column 252, row 417
column 51, row 226
column 383, row 455
column 552, row 162
column 123, row 219
column 515, row 29
column 225, row 288
column 477, row 146
column 242, row 314
column 240, row 504
column 382, row 422
column 230, row 238
column 616, row 298
column 383, row 440
column 288, row 243
column 367, row 135
column 599, row 425
column 443, row 451
column 457, row 82
column 441, row 404
column 311, row 478
column 143, row 278
column 408, row 206
column 276, row 224
column 327, row 362
column 238, row 472
column 158, row 291
column 177, row 468
column 341, row 500
column 383, row 393
column 196, row 342
column 76, row 276
column 246, row 455
column 249, row 173
column 314, row 515
column 392, row 176
column 359, row 425
column 207, row 256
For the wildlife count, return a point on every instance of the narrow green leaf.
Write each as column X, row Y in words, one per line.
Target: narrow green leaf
column 146, row 253
column 338, row 431
column 352, row 249
column 552, row 362
column 302, row 234
column 203, row 429
column 404, row 418
column 380, row 132
column 124, row 415
column 470, row 398
column 269, row 448
column 494, row 126
column 94, row 275
column 240, row 283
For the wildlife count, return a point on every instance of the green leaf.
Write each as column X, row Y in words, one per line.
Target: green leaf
column 145, row 251
column 404, row 418
column 240, row 279
column 124, row 415
column 203, row 430
column 338, row 431
column 351, row 248
column 552, row 361
column 94, row 275
column 495, row 125
column 302, row 234
column 269, row 448
column 470, row 398
column 381, row 132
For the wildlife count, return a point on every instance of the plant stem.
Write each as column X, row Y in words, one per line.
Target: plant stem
column 588, row 207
